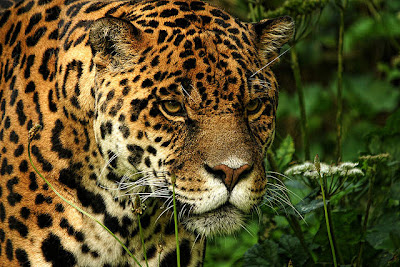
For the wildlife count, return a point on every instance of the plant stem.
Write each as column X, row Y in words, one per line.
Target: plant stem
column 332, row 227
column 328, row 227
column 77, row 208
column 142, row 238
column 339, row 116
column 178, row 254
column 365, row 222
column 300, row 94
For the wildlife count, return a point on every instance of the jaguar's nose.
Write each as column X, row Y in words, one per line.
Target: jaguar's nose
column 230, row 176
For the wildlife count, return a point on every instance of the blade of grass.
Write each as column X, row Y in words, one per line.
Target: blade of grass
column 178, row 254
column 142, row 239
column 32, row 134
column 138, row 209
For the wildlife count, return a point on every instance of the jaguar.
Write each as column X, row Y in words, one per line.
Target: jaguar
column 135, row 99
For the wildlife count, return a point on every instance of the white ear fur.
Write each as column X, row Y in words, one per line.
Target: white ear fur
column 113, row 41
column 272, row 34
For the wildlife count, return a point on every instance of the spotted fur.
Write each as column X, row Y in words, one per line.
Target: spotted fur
column 130, row 95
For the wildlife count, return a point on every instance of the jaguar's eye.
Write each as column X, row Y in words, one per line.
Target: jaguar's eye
column 253, row 106
column 172, row 107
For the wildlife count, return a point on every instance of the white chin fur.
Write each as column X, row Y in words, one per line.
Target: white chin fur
column 222, row 221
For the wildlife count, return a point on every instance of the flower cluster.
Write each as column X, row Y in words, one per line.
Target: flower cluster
column 308, row 169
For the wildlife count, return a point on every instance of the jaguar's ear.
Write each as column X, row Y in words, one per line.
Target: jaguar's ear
column 271, row 35
column 114, row 42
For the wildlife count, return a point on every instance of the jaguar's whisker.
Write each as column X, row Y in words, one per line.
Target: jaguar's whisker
column 280, row 174
column 247, row 230
column 194, row 242
column 269, row 63
column 159, row 216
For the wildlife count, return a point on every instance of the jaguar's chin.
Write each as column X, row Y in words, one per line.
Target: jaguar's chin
column 224, row 220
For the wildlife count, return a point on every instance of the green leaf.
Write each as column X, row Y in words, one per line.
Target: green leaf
column 393, row 124
column 368, row 95
column 307, row 204
column 271, row 254
column 385, row 235
column 264, row 254
column 347, row 231
column 284, row 153
column 291, row 249
column 387, row 139
column 366, row 29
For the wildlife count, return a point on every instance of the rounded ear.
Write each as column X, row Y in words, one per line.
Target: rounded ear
column 271, row 35
column 113, row 41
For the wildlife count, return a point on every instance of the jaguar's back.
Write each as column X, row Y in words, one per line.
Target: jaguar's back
column 130, row 95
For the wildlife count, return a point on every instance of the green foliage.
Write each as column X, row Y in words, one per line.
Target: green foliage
column 386, row 234
column 227, row 251
column 285, row 152
column 363, row 211
column 370, row 29
column 263, row 254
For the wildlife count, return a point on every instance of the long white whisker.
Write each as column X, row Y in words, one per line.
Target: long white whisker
column 280, row 174
column 279, row 188
column 258, row 211
column 186, row 92
column 247, row 230
column 181, row 212
column 114, row 156
column 269, row 63
column 287, row 202
column 194, row 243
column 270, row 205
column 284, row 188
column 163, row 213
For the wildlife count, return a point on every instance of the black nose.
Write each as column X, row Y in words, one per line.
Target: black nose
column 228, row 175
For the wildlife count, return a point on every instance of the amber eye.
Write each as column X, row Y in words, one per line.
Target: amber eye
column 253, row 106
column 172, row 107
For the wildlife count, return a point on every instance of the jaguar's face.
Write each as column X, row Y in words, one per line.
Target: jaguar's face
column 188, row 105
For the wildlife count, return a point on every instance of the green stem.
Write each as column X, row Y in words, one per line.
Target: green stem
column 77, row 208
column 300, row 94
column 178, row 254
column 332, row 227
column 328, row 227
column 142, row 238
column 339, row 116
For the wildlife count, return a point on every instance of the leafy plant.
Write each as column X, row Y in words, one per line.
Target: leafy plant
column 362, row 199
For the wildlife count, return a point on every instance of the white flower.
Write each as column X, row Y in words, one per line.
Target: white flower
column 307, row 169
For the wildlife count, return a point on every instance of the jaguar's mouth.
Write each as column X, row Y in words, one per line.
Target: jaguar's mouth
column 224, row 220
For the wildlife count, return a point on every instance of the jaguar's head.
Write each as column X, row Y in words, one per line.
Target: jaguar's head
column 183, row 95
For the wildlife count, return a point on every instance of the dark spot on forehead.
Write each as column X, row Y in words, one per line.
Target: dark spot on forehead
column 169, row 13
